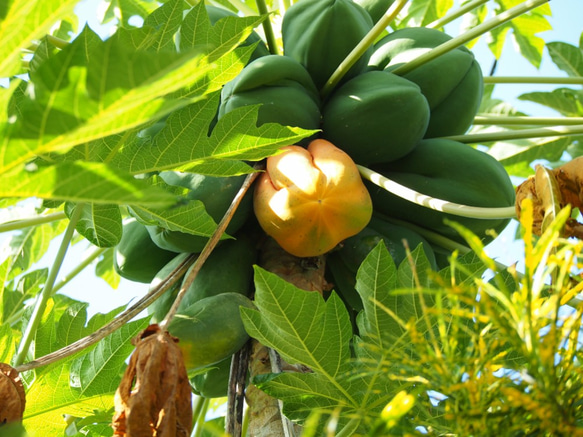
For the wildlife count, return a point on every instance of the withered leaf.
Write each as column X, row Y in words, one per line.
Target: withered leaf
column 567, row 183
column 12, row 396
column 154, row 397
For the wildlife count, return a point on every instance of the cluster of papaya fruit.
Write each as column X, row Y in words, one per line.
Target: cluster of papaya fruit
column 391, row 123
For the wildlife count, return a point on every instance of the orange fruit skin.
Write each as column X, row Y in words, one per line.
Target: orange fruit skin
column 309, row 200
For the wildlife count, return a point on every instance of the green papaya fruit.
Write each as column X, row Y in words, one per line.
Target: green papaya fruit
column 452, row 83
column 216, row 193
column 214, row 383
column 447, row 170
column 281, row 85
column 375, row 117
column 229, row 268
column 345, row 262
column 216, row 13
column 319, row 34
column 211, row 329
column 136, row 256
column 375, row 8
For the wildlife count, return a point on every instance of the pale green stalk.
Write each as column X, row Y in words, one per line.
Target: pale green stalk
column 543, row 132
column 57, row 42
column 32, row 221
column 362, row 46
column 433, row 203
column 519, row 120
column 469, row 35
column 199, row 427
column 449, row 17
column 95, row 253
column 267, row 28
column 535, row 79
column 47, row 292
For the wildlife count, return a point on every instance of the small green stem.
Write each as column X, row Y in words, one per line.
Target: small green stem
column 32, row 221
column 448, row 18
column 530, row 79
column 95, row 253
column 518, row 120
column 197, row 408
column 362, row 46
column 471, row 34
column 433, row 203
column 47, row 291
column 267, row 28
column 57, row 42
column 201, row 418
column 486, row 137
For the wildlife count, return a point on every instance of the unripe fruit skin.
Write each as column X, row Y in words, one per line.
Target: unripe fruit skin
column 309, row 200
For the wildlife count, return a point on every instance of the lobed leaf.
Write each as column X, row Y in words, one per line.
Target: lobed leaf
column 100, row 224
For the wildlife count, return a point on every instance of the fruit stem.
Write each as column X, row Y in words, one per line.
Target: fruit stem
column 267, row 28
column 47, row 292
column 93, row 255
column 32, row 221
column 433, row 203
column 449, row 17
column 486, row 137
column 518, row 120
column 536, row 79
column 469, row 35
column 362, row 46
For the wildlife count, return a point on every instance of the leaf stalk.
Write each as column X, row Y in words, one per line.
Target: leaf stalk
column 471, row 34
column 47, row 292
column 433, row 203
column 32, row 221
column 486, row 137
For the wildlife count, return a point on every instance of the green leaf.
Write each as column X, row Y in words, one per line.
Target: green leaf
column 12, row 302
column 376, row 277
column 299, row 324
column 25, row 21
column 567, row 101
column 567, row 57
column 166, row 20
column 191, row 218
column 524, row 31
column 7, row 343
column 83, row 182
column 422, row 12
column 100, row 224
column 413, row 272
column 184, row 141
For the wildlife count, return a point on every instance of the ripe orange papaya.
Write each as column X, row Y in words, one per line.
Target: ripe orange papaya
column 311, row 199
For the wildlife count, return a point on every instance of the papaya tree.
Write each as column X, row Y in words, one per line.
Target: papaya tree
column 301, row 198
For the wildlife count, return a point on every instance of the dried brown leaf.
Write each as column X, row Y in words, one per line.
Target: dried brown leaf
column 567, row 184
column 154, row 397
column 12, row 396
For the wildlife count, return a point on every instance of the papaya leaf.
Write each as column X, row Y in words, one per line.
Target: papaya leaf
column 524, row 30
column 76, row 386
column 566, row 101
column 83, row 182
column 100, row 224
column 197, row 31
column 166, row 20
column 413, row 272
column 118, row 88
column 23, row 22
column 7, row 343
column 12, row 301
column 191, row 218
column 422, row 12
column 300, row 325
column 184, row 141
column 567, row 57
column 125, row 9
